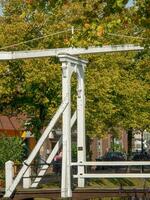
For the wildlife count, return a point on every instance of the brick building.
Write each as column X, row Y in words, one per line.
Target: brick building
column 100, row 146
column 14, row 126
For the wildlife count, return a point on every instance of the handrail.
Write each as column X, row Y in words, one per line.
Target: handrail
column 114, row 175
column 111, row 163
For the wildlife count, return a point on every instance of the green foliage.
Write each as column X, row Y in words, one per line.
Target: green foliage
column 10, row 149
column 117, row 96
column 117, row 85
column 74, row 152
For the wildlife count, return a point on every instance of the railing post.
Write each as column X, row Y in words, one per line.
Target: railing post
column 9, row 174
column 27, row 179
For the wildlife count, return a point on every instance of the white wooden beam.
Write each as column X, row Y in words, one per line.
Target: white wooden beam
column 114, row 175
column 51, row 156
column 46, row 166
column 67, row 70
column 36, row 149
column 112, row 163
column 27, row 178
column 71, row 50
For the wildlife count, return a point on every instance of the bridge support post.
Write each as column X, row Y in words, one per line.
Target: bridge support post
column 9, row 174
column 81, row 151
column 72, row 64
column 67, row 71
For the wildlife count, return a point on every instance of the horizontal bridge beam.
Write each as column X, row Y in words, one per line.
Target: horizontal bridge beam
column 4, row 55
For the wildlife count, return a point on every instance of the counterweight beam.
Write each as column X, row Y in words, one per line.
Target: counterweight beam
column 4, row 55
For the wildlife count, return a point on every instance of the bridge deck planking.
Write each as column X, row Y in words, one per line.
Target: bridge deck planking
column 80, row 194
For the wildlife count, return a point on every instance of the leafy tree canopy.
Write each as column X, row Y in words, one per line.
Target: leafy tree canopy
column 116, row 84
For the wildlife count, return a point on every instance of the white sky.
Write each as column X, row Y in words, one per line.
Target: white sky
column 130, row 3
column 0, row 11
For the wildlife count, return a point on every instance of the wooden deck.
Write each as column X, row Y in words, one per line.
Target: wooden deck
column 80, row 194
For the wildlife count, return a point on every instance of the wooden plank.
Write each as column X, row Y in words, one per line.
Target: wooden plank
column 82, row 194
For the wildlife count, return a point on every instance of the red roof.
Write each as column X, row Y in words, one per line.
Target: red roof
column 12, row 125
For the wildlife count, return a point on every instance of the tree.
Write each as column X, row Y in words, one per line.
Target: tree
column 117, row 84
column 29, row 88
column 11, row 148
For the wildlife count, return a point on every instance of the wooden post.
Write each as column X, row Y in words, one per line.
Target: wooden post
column 9, row 174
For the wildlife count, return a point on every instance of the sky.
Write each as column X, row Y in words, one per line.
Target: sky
column 130, row 3
column 0, row 11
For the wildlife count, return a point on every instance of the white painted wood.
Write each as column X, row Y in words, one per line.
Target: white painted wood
column 27, row 179
column 112, row 163
column 48, row 161
column 81, row 147
column 55, row 118
column 71, row 50
column 72, row 60
column 51, row 156
column 74, row 118
column 69, row 64
column 115, row 175
column 50, row 126
column 67, row 71
column 9, row 174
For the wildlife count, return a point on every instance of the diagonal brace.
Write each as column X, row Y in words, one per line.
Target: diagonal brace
column 51, row 156
column 40, row 142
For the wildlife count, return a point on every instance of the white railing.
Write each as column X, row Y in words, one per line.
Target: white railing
column 111, row 163
column 112, row 175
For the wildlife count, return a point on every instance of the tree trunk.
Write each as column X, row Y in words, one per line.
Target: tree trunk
column 43, row 150
column 142, row 142
column 129, row 143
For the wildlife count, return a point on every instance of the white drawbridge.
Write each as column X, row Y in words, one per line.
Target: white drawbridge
column 70, row 64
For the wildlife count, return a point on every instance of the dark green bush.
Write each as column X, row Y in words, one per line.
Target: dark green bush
column 11, row 148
